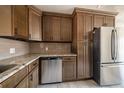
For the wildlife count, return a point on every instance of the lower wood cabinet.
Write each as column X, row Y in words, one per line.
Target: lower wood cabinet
column 69, row 68
column 33, row 78
column 15, row 79
column 23, row 83
column 25, row 78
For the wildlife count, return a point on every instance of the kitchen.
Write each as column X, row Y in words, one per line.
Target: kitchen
column 45, row 46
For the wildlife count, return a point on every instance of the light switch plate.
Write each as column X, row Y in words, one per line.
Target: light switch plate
column 12, row 51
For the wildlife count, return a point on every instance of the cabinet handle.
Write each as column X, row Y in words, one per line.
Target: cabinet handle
column 15, row 31
column 105, row 24
column 34, row 64
column 31, row 77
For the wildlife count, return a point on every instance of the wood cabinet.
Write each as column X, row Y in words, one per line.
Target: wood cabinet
column 14, row 22
column 23, row 83
column 35, row 24
column 69, row 68
column 57, row 28
column 84, row 20
column 47, row 32
column 110, row 21
column 51, row 28
column 66, row 29
column 101, row 20
column 20, row 21
column 33, row 78
column 27, row 77
column 14, row 80
column 85, row 26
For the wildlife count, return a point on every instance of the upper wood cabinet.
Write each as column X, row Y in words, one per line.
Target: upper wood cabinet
column 47, row 28
column 102, row 20
column 99, row 20
column 66, row 29
column 57, row 28
column 110, row 21
column 14, row 21
column 20, row 21
column 35, row 32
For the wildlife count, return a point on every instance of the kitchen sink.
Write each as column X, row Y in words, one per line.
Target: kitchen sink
column 6, row 67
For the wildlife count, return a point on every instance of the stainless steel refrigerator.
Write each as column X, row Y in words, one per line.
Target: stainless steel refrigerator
column 108, row 55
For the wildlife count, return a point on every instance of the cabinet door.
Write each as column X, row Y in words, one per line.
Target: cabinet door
column 99, row 20
column 110, row 21
column 83, row 48
column 20, row 21
column 80, row 60
column 33, row 78
column 51, row 28
column 69, row 71
column 66, row 29
column 34, row 25
column 47, row 28
column 12, row 81
column 56, row 28
column 87, row 44
column 80, row 26
column 5, row 20
column 23, row 83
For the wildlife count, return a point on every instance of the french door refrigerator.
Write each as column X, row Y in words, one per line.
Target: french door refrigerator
column 108, row 56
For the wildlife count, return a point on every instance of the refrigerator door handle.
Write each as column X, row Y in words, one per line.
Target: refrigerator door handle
column 112, row 49
column 116, row 44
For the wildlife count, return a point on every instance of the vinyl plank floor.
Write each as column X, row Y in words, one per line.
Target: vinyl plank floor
column 78, row 84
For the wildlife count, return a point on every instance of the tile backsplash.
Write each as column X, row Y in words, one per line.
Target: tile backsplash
column 50, row 48
column 21, row 48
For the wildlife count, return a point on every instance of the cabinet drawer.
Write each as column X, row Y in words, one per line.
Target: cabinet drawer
column 15, row 79
column 33, row 65
column 69, row 59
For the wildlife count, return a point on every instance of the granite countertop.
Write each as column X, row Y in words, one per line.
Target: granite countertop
column 23, row 61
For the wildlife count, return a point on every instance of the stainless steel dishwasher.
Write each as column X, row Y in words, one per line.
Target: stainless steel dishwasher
column 51, row 70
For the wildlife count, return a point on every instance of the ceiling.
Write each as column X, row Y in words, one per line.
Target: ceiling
column 68, row 9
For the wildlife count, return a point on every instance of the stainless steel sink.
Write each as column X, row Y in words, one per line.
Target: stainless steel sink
column 6, row 67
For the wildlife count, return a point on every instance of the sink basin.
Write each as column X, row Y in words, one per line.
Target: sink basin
column 6, row 67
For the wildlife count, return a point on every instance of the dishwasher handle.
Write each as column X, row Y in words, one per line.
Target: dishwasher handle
column 51, row 58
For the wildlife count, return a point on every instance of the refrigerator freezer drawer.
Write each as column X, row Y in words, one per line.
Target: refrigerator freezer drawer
column 111, row 74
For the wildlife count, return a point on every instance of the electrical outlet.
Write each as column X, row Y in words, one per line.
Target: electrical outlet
column 12, row 51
